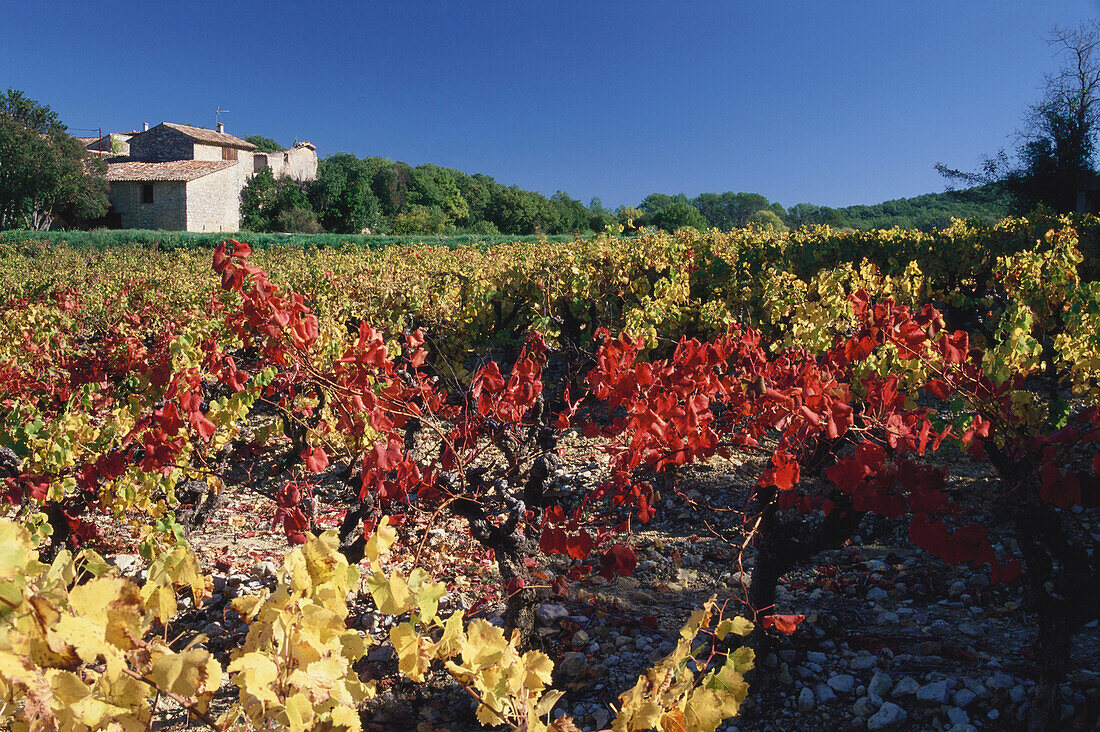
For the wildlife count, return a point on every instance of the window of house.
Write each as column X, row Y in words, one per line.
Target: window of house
column 229, row 153
column 147, row 193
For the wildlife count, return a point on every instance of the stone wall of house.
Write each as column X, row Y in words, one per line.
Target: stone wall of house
column 163, row 143
column 299, row 162
column 167, row 211
column 207, row 152
column 214, row 201
column 244, row 167
column 115, row 143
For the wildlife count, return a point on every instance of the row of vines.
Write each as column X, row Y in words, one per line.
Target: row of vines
column 441, row 382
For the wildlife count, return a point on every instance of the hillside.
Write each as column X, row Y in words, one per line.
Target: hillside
column 926, row 212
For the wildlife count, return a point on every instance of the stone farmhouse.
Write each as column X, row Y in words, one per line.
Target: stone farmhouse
column 188, row 178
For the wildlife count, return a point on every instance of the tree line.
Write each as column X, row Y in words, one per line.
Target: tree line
column 377, row 195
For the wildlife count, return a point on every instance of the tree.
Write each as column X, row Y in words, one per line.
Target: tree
column 29, row 113
column 654, row 202
column 731, row 210
column 270, row 204
column 342, row 195
column 264, row 144
column 258, row 201
column 1054, row 160
column 599, row 218
column 45, row 175
column 434, row 187
column 517, row 211
column 631, row 219
column 679, row 215
column 391, row 185
column 572, row 215
column 1056, row 148
column 768, row 219
column 477, row 190
column 418, row 219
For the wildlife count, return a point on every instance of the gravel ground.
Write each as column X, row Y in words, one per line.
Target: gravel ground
column 893, row 639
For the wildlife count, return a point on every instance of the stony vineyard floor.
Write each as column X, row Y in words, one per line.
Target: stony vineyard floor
column 893, row 639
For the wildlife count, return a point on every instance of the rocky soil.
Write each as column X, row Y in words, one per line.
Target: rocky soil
column 892, row 640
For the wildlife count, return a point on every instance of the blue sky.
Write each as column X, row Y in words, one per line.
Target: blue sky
column 835, row 103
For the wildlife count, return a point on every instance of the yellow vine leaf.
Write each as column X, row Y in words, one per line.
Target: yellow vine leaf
column 453, row 638
column 736, row 625
column 255, row 674
column 391, row 594
column 72, row 656
column 381, row 540
column 299, row 712
column 743, row 659
column 426, row 593
column 669, row 697
column 323, row 674
column 296, row 663
column 413, row 653
column 486, row 644
column 538, row 669
column 176, row 567
column 190, row 673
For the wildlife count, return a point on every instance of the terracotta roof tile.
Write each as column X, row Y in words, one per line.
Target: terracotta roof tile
column 173, row 170
column 201, row 134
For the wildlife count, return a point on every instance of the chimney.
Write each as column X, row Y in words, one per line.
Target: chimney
column 144, row 126
column 221, row 127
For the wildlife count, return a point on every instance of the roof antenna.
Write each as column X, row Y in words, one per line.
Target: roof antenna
column 218, row 118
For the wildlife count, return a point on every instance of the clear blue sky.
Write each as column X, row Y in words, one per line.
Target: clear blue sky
column 833, row 103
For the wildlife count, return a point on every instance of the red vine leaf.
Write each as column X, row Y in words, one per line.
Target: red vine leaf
column 618, row 560
column 785, row 624
column 316, row 459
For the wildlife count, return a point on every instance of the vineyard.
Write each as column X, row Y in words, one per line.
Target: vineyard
column 825, row 479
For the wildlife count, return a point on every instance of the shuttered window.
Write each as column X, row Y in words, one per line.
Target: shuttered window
column 229, row 153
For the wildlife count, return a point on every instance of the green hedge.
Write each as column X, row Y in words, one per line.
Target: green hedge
column 184, row 240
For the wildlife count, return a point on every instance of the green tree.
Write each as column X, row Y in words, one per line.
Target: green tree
column 631, row 219
column 342, row 196
column 258, row 202
column 654, row 202
column 1060, row 140
column 391, row 185
column 436, row 187
column 516, row 211
column 30, row 114
column 809, row 214
column 270, row 204
column 297, row 219
column 477, row 190
column 264, row 144
column 571, row 213
column 768, row 219
column 599, row 218
column 778, row 210
column 679, row 215
column 729, row 210
column 46, row 176
column 417, row 219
